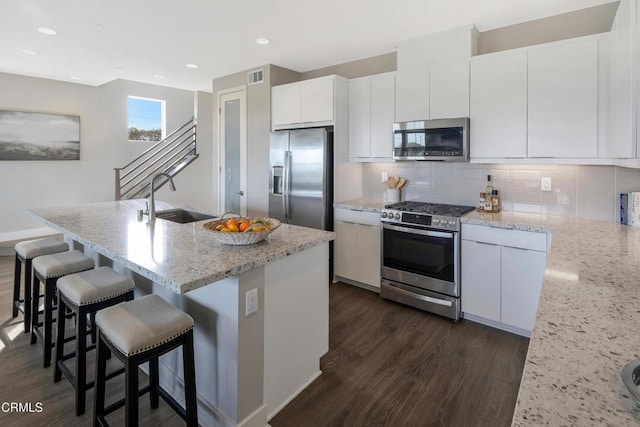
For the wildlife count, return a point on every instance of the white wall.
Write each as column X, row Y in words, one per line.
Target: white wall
column 103, row 146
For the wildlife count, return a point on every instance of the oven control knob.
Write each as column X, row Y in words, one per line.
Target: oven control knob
column 383, row 214
column 452, row 222
column 397, row 216
column 435, row 221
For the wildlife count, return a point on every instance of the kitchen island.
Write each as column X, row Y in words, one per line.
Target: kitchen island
column 248, row 366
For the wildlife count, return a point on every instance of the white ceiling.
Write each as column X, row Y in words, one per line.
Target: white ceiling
column 159, row 37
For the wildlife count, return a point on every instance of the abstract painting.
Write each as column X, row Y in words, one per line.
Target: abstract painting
column 39, row 136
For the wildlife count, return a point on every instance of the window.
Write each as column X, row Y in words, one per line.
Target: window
column 146, row 119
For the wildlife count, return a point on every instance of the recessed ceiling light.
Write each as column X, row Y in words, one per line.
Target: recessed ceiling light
column 158, row 76
column 75, row 77
column 192, row 65
column 47, row 31
column 30, row 51
column 263, row 41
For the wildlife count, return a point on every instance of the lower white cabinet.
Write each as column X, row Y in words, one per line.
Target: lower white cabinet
column 502, row 275
column 356, row 250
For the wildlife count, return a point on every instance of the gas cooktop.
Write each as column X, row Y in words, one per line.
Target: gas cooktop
column 430, row 208
column 424, row 214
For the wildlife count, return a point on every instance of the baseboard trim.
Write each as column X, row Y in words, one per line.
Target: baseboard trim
column 294, row 395
column 497, row 325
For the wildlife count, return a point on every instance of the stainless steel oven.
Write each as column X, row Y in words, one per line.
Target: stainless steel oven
column 421, row 256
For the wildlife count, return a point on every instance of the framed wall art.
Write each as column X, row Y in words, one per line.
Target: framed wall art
column 39, row 136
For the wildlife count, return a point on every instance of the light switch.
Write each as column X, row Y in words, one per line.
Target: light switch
column 545, row 183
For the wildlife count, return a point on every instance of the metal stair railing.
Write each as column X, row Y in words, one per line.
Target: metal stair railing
column 170, row 155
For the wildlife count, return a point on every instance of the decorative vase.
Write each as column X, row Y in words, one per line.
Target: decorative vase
column 393, row 195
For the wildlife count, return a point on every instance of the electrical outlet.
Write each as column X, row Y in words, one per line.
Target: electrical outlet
column 385, row 176
column 545, row 183
column 251, row 302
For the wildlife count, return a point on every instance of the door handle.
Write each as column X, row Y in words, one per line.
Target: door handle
column 240, row 193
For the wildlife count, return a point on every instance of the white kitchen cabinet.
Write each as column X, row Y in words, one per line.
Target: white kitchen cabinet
column 371, row 115
column 344, row 250
column 563, row 100
column 412, row 95
column 498, row 106
column 357, row 246
column 449, row 91
column 522, row 276
column 502, row 275
column 481, row 279
column 308, row 101
column 438, row 92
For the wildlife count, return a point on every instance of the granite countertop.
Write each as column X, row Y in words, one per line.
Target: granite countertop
column 182, row 257
column 364, row 205
column 586, row 328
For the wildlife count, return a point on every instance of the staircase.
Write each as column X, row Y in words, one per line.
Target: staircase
column 171, row 155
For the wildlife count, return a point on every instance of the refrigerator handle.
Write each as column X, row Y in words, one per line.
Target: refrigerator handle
column 285, row 193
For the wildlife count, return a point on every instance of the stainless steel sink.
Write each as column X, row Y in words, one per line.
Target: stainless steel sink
column 182, row 216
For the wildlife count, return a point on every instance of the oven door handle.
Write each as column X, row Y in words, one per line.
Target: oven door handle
column 422, row 297
column 418, row 231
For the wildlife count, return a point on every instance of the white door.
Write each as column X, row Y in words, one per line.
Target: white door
column 232, row 125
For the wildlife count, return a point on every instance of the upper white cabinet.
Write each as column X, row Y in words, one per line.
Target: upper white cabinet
column 498, row 106
column 439, row 92
column 449, row 91
column 308, row 101
column 371, row 116
column 412, row 95
column 563, row 100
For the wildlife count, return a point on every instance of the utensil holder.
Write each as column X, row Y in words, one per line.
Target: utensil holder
column 393, row 195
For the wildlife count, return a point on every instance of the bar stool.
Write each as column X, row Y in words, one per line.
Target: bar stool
column 84, row 294
column 25, row 252
column 140, row 331
column 48, row 269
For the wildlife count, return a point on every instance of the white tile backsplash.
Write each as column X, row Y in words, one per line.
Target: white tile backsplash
column 580, row 191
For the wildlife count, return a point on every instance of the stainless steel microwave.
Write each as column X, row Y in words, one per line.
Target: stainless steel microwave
column 440, row 139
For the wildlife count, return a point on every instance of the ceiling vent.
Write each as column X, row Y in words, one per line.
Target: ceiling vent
column 256, row 76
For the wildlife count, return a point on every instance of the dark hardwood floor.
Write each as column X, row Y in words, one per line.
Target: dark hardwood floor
column 388, row 365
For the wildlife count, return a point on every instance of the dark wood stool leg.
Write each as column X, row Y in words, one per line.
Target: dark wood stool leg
column 190, row 380
column 28, row 272
column 154, row 397
column 62, row 311
column 131, row 393
column 81, row 359
column 99, row 387
column 49, row 290
column 92, row 317
column 35, row 303
column 16, row 287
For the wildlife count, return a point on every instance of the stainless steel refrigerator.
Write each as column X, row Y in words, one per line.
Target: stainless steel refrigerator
column 301, row 184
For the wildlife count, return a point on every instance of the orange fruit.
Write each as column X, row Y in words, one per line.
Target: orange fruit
column 232, row 221
column 243, row 226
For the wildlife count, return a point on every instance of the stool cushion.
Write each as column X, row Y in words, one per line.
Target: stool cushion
column 142, row 324
column 94, row 286
column 61, row 264
column 32, row 248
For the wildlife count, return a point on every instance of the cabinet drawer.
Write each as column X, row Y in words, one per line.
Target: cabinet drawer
column 358, row 217
column 505, row 237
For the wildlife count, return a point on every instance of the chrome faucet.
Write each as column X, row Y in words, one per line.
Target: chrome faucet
column 152, row 200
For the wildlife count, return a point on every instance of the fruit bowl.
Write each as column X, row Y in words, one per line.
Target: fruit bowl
column 257, row 230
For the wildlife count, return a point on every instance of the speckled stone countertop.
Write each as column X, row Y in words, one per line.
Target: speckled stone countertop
column 365, row 205
column 182, row 257
column 586, row 328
